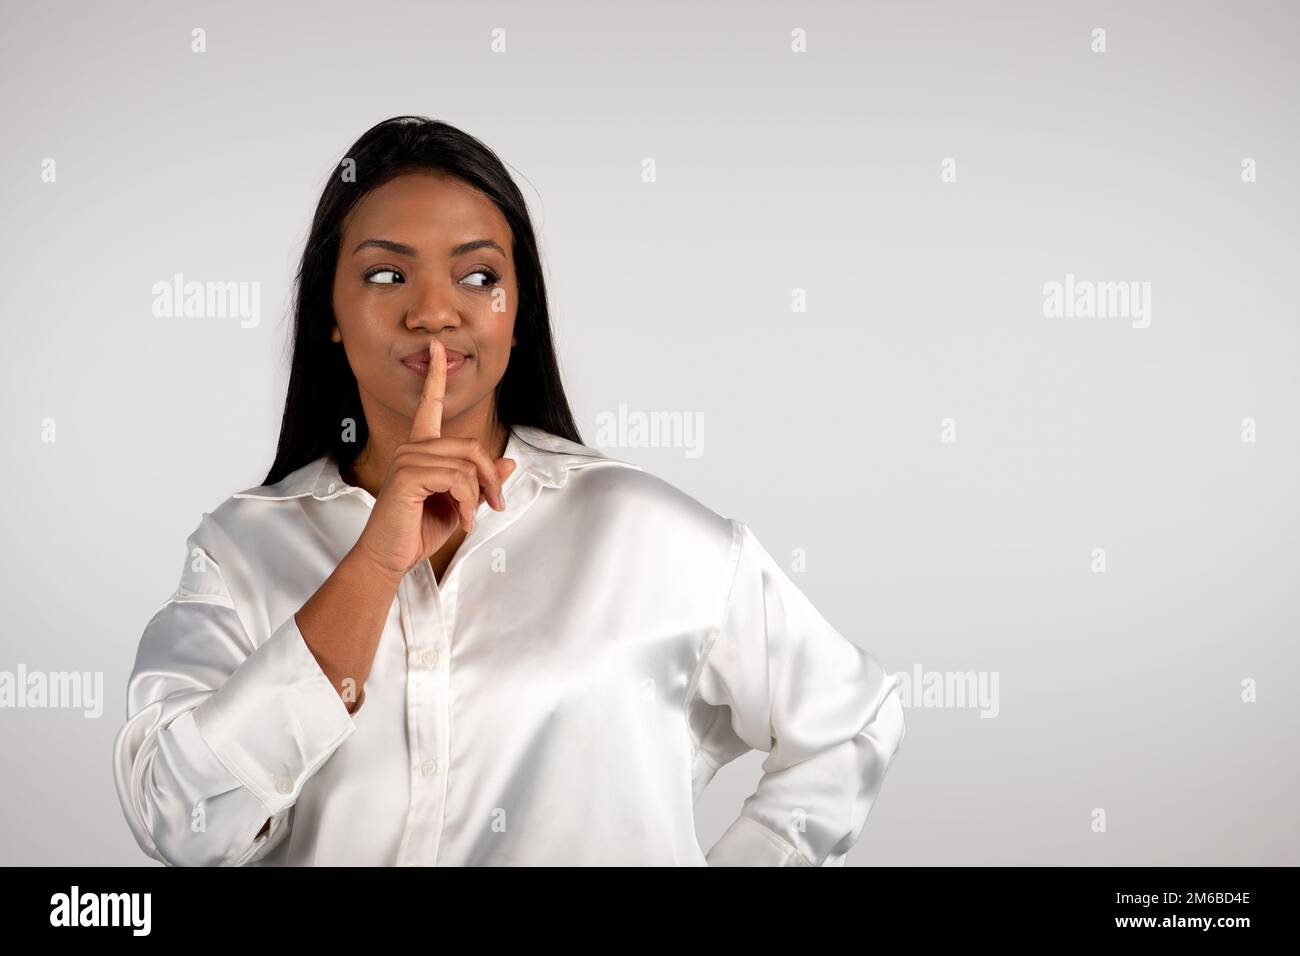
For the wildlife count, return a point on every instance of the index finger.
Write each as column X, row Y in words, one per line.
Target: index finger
column 427, row 422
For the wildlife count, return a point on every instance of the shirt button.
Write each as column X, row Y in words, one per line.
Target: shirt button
column 430, row 658
column 333, row 485
column 284, row 785
column 429, row 767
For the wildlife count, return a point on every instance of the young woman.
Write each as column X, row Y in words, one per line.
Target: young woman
column 443, row 631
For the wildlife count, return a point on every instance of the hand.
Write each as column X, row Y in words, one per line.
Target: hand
column 433, row 485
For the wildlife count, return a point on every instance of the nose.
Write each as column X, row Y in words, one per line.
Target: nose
column 433, row 308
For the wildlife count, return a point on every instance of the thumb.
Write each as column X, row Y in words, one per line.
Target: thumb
column 505, row 467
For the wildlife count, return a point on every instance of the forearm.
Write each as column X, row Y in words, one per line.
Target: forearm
column 342, row 623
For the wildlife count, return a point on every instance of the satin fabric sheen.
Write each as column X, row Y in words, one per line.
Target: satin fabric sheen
column 592, row 656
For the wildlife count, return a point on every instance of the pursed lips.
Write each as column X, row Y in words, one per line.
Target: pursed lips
column 420, row 361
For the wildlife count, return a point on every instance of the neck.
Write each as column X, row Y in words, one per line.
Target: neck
column 371, row 464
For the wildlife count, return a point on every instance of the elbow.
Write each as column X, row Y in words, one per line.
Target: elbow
column 168, row 828
column 889, row 726
column 183, row 852
column 181, row 840
column 175, row 849
column 169, row 834
column 878, row 743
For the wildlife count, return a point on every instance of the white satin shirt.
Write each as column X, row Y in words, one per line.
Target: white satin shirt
column 592, row 656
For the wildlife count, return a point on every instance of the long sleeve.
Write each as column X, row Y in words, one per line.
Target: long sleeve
column 780, row 679
column 220, row 734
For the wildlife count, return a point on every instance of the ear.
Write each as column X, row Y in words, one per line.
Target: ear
column 336, row 335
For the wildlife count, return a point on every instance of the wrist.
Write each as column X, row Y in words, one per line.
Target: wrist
column 359, row 562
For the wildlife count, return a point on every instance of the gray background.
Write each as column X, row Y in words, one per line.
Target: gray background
column 776, row 171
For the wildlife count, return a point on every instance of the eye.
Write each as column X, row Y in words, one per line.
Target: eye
column 490, row 278
column 383, row 270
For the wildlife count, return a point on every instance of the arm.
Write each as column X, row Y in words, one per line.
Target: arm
column 785, row 682
column 220, row 734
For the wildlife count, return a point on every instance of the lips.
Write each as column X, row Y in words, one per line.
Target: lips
column 418, row 362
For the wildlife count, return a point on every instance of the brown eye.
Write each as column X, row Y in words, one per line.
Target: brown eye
column 384, row 271
column 490, row 278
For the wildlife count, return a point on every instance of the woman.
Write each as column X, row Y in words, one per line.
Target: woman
column 443, row 630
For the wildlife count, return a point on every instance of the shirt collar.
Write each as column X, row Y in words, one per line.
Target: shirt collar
column 548, row 458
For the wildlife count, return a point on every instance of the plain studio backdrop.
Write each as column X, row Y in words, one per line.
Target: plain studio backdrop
column 826, row 232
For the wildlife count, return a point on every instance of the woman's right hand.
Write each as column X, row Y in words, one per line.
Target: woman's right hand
column 433, row 485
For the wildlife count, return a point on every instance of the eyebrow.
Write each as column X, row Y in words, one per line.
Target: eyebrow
column 402, row 249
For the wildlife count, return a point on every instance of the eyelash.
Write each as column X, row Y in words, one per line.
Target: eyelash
column 491, row 275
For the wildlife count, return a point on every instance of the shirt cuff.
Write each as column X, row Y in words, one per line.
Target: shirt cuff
column 276, row 719
column 748, row 843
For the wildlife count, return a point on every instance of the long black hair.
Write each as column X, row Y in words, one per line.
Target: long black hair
column 322, row 389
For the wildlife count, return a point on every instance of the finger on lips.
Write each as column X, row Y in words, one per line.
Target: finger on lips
column 427, row 422
column 427, row 425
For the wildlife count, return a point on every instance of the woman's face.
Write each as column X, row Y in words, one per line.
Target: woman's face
column 425, row 256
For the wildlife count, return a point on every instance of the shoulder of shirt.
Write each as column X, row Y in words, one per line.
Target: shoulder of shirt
column 614, row 493
column 550, row 458
column 654, row 501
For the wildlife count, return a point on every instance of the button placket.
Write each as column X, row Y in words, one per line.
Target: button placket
column 430, row 625
column 427, row 697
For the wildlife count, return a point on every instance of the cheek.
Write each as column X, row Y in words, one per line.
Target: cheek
column 500, row 345
column 367, row 354
column 494, row 332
